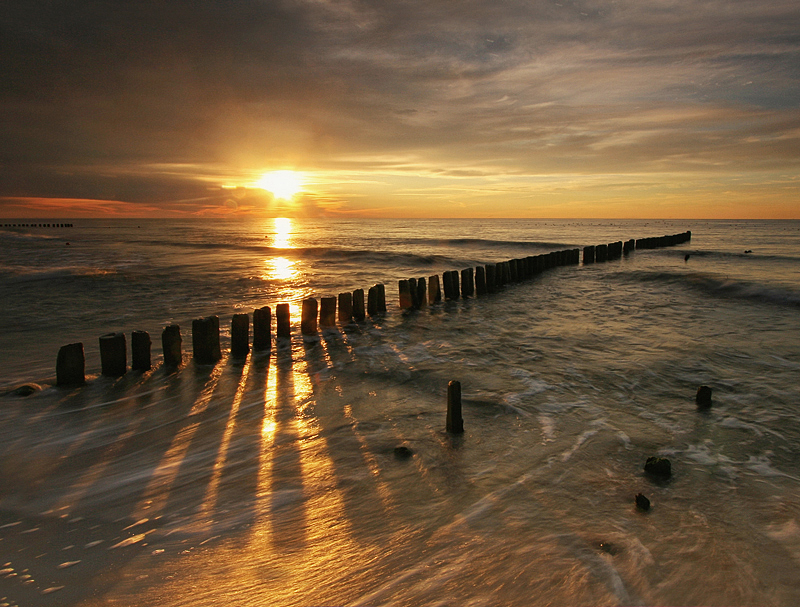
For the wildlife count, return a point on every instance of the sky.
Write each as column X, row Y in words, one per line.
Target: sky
column 429, row 108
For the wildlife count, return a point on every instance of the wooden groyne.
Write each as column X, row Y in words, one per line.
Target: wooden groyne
column 38, row 225
column 347, row 307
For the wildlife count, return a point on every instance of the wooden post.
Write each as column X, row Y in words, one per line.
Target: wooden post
column 308, row 318
column 140, row 350
column 283, row 320
column 372, row 301
column 455, row 423
column 601, row 253
column 467, row 283
column 422, row 293
column 480, row 280
column 491, row 278
column 345, row 306
column 327, row 312
column 262, row 329
column 240, row 335
column 434, row 291
column 404, row 291
column 414, row 292
column 113, row 354
column 171, row 345
column 205, row 340
column 629, row 246
column 381, row 298
column 359, row 311
column 70, row 365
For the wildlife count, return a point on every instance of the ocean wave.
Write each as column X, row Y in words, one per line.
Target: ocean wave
column 21, row 274
column 725, row 287
column 476, row 243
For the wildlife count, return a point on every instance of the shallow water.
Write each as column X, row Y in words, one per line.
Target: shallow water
column 274, row 481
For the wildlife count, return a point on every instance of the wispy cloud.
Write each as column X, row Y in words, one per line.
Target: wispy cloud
column 152, row 102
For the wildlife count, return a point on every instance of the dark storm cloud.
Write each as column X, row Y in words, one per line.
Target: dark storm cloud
column 95, row 92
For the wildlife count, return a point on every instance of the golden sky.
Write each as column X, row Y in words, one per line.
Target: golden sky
column 478, row 108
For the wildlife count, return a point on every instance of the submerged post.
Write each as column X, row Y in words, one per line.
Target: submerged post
column 113, row 354
column 283, row 320
column 372, row 301
column 140, row 350
column 359, row 311
column 70, row 365
column 171, row 345
column 262, row 328
column 455, row 423
column 205, row 340
column 308, row 317
column 240, row 335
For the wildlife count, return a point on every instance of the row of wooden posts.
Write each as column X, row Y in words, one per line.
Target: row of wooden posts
column 37, row 225
column 414, row 293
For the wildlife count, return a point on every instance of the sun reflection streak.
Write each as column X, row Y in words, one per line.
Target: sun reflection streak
column 282, row 238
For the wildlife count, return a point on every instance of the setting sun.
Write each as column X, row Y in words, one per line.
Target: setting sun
column 282, row 184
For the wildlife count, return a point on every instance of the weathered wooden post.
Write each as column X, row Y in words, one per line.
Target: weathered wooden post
column 372, row 301
column 327, row 312
column 205, row 340
column 359, row 311
column 345, row 306
column 601, row 253
column 113, row 354
column 140, row 350
column 70, row 365
column 283, row 320
column 404, row 291
column 455, row 423
column 629, row 246
column 381, row 298
column 422, row 293
column 262, row 329
column 308, row 317
column 171, row 345
column 491, row 278
column 434, row 290
column 513, row 270
column 240, row 335
column 480, row 280
column 414, row 292
column 467, row 283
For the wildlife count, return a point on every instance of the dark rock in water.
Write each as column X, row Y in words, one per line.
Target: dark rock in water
column 403, row 452
column 658, row 466
column 25, row 390
column 642, row 503
column 703, row 397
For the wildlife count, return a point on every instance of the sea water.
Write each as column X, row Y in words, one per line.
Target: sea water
column 274, row 480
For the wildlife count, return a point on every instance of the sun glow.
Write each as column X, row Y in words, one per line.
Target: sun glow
column 282, row 184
